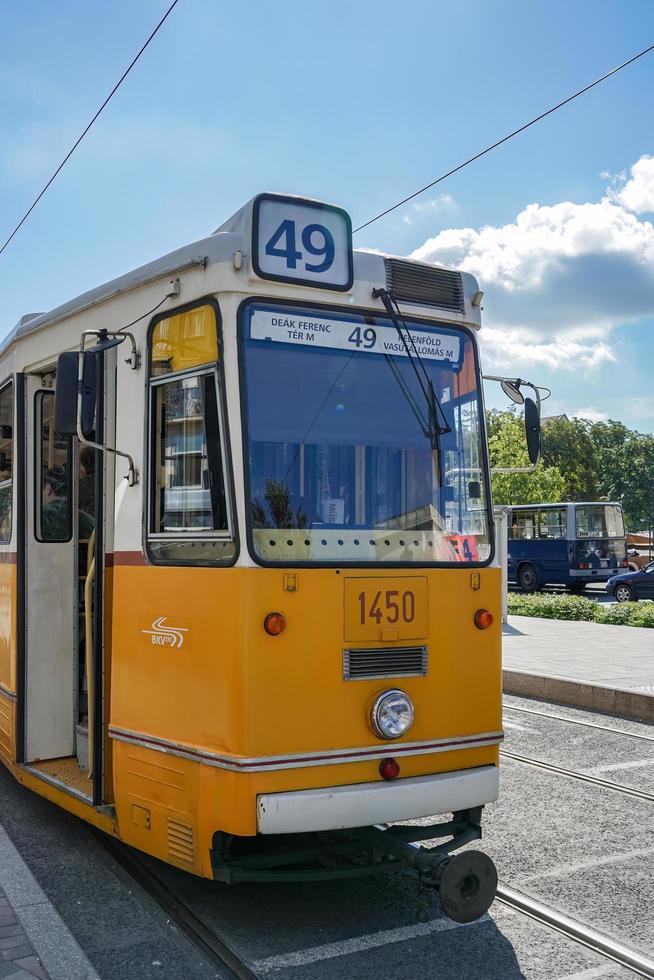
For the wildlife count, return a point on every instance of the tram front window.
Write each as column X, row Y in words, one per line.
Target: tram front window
column 343, row 466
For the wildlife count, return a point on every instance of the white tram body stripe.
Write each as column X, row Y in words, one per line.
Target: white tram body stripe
column 365, row 804
column 325, row 757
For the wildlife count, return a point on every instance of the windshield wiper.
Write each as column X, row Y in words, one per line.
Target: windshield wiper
column 435, row 429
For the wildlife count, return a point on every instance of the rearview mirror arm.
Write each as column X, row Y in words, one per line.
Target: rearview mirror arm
column 132, row 475
column 516, row 469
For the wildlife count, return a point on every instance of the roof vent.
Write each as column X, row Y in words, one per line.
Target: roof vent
column 414, row 282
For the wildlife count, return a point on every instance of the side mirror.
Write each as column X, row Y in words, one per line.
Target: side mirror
column 474, row 490
column 66, row 394
column 532, row 430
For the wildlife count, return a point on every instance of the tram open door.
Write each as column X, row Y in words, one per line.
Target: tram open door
column 66, row 510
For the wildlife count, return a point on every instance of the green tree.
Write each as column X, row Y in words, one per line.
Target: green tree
column 507, row 447
column 626, row 463
column 569, row 445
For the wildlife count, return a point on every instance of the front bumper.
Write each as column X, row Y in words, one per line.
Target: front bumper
column 367, row 804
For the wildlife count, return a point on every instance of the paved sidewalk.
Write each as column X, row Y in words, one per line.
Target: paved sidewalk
column 17, row 956
column 34, row 942
column 588, row 665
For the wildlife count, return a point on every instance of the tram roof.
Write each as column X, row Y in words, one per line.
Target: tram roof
column 232, row 235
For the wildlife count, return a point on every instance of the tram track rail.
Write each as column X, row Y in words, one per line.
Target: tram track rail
column 214, row 949
column 582, row 776
column 576, row 721
column 579, row 932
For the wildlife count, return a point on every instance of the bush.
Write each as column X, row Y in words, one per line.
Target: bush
column 557, row 606
column 642, row 615
column 553, row 606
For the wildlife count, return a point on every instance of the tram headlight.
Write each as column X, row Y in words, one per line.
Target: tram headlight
column 392, row 714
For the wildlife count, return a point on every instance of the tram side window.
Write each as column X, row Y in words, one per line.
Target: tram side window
column 6, row 460
column 189, row 517
column 54, row 455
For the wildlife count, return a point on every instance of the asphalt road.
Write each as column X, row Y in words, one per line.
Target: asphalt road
column 583, row 849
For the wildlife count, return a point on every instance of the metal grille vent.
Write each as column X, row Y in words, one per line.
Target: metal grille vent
column 412, row 282
column 393, row 662
column 181, row 842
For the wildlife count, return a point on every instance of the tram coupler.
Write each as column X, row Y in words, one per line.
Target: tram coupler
column 466, row 881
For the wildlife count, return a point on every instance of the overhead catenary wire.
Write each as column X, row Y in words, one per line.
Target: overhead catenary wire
column 505, row 139
column 88, row 127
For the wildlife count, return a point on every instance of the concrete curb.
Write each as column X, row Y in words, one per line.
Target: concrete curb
column 576, row 694
column 58, row 950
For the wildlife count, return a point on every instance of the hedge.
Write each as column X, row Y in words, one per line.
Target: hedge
column 553, row 606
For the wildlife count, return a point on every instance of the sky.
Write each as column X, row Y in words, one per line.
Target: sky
column 357, row 103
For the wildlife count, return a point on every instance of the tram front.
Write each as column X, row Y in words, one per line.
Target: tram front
column 318, row 618
column 371, row 654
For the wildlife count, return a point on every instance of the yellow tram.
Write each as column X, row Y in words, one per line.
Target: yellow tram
column 249, row 599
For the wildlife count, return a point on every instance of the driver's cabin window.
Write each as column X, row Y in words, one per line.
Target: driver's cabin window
column 189, row 517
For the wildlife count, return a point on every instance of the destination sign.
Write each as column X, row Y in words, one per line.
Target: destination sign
column 313, row 331
column 299, row 241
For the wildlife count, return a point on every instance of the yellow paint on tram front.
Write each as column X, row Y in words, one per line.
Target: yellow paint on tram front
column 212, row 681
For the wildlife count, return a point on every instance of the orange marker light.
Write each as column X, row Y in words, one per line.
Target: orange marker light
column 274, row 623
column 483, row 619
column 389, row 769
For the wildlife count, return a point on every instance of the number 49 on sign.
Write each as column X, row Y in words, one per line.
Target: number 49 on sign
column 302, row 241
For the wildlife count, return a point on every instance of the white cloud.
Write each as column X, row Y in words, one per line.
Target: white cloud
column 443, row 204
column 558, row 279
column 591, row 413
column 636, row 192
column 509, row 349
column 639, row 407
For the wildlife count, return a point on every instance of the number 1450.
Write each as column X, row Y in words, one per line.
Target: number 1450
column 390, row 606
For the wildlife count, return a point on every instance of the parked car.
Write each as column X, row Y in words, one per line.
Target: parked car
column 633, row 585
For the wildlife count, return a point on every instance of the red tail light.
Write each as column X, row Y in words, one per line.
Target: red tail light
column 389, row 769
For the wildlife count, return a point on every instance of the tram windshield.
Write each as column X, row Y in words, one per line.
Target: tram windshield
column 344, row 461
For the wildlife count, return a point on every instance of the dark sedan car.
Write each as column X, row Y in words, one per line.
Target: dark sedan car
column 633, row 585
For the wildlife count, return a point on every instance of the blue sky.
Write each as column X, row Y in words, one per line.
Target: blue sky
column 356, row 103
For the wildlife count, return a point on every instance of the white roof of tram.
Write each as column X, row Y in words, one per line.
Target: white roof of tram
column 233, row 235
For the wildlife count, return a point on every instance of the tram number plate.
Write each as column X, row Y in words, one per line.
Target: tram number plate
column 382, row 608
column 295, row 240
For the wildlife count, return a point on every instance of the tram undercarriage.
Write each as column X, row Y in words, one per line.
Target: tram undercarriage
column 466, row 882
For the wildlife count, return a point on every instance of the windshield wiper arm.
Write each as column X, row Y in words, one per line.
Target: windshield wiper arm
column 408, row 397
column 435, row 429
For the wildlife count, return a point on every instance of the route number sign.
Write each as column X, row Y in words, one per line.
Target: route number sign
column 302, row 241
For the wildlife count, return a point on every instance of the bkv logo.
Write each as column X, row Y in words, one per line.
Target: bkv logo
column 161, row 634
